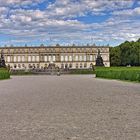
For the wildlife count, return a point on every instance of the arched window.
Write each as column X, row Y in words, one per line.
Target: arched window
column 81, row 65
column 76, row 65
column 23, row 65
column 19, row 66
column 70, row 65
column 85, row 65
column 66, row 66
column 15, row 66
column 62, row 66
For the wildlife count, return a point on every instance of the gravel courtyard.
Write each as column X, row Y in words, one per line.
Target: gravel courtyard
column 70, row 107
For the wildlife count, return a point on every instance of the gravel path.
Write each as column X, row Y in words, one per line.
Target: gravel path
column 71, row 107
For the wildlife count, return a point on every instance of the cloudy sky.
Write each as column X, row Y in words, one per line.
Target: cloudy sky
column 34, row 22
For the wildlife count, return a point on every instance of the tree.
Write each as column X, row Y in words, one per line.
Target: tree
column 127, row 53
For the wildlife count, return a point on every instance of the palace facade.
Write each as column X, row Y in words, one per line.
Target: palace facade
column 74, row 57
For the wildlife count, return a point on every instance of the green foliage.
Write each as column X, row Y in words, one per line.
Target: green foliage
column 127, row 53
column 21, row 72
column 4, row 74
column 122, row 73
column 81, row 71
column 115, row 56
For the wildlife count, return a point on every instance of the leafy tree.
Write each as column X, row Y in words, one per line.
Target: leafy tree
column 127, row 53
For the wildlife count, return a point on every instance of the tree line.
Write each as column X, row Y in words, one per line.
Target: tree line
column 127, row 53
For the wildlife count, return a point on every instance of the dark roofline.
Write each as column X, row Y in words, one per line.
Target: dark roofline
column 17, row 47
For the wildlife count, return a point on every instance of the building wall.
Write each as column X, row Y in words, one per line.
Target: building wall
column 73, row 57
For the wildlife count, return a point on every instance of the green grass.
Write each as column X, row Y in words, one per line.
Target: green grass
column 4, row 74
column 121, row 73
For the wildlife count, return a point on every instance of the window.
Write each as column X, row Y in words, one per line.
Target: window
column 62, row 58
column 23, row 65
column 53, row 58
column 8, row 58
column 18, row 58
column 70, row 65
column 80, row 58
column 33, row 65
column 37, row 65
column 19, row 66
column 15, row 58
column 23, row 58
column 50, row 58
column 91, row 57
column 62, row 66
column 29, row 58
column 85, row 65
column 80, row 65
column 29, row 66
column 66, row 66
column 77, row 65
column 15, row 65
column 70, row 58
column 76, row 58
column 45, row 58
column 33, row 58
column 66, row 58
column 85, row 58
column 37, row 58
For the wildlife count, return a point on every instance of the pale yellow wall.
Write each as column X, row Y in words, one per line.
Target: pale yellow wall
column 37, row 55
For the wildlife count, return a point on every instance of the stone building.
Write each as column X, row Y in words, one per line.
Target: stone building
column 74, row 57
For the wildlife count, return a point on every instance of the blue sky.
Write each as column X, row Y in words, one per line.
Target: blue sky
column 80, row 22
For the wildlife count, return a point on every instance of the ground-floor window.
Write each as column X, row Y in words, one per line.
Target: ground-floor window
column 33, row 65
column 19, row 66
column 23, row 65
column 85, row 65
column 70, row 65
column 66, row 66
column 38, row 66
column 62, row 66
column 15, row 66
column 76, row 65
column 29, row 66
column 81, row 65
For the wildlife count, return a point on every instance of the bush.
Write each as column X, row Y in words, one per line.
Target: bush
column 82, row 71
column 4, row 74
column 131, row 74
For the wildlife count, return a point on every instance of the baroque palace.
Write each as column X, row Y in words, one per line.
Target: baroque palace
column 73, row 57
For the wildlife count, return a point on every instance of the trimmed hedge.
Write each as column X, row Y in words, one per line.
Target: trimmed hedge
column 131, row 74
column 82, row 71
column 4, row 74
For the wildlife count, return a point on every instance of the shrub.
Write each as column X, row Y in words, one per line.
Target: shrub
column 122, row 73
column 4, row 74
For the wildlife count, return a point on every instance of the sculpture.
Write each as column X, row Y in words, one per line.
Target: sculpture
column 2, row 61
column 99, row 59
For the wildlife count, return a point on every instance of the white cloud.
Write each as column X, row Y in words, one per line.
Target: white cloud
column 129, row 12
column 18, row 2
column 56, row 23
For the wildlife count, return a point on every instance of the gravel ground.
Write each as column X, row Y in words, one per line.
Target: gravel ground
column 70, row 107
